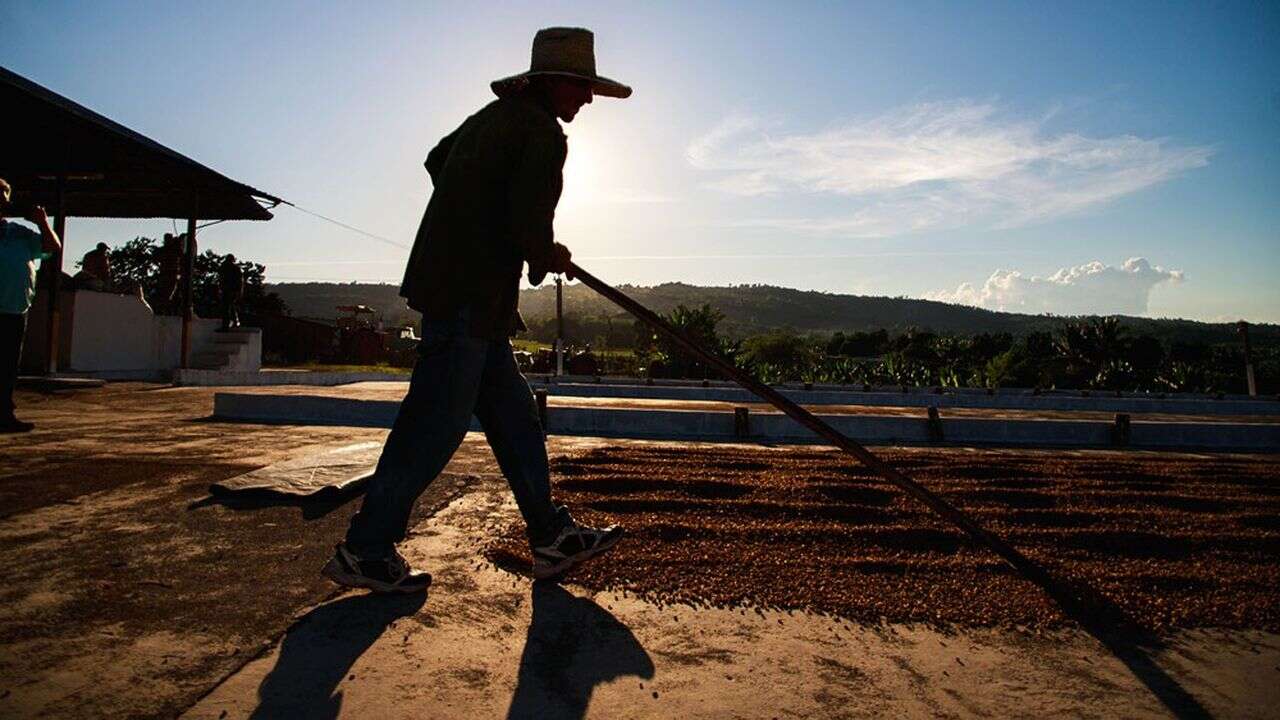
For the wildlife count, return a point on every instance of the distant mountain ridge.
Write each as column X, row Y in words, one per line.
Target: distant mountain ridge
column 751, row 309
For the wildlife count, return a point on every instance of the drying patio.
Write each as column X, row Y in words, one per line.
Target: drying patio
column 132, row 591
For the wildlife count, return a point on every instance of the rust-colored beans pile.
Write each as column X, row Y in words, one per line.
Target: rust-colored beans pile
column 1171, row 541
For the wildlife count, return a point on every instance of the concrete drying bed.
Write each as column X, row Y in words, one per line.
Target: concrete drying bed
column 104, row 491
column 485, row 643
column 1169, row 541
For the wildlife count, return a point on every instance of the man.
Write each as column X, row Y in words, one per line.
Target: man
column 231, row 287
column 20, row 248
column 169, row 260
column 95, row 270
column 497, row 180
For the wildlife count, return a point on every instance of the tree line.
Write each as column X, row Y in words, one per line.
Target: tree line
column 137, row 262
column 1094, row 353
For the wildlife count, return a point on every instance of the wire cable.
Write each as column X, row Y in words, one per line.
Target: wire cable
column 352, row 228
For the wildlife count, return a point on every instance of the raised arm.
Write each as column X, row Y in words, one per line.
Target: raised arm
column 49, row 241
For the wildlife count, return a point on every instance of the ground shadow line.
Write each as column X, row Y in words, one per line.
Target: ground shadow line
column 573, row 645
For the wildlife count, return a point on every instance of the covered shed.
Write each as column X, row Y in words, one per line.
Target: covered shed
column 77, row 163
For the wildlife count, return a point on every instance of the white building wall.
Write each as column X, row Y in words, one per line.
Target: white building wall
column 112, row 332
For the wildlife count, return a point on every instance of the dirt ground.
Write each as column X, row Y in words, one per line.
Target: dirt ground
column 129, row 592
column 485, row 643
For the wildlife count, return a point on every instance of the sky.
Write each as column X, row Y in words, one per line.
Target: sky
column 1032, row 157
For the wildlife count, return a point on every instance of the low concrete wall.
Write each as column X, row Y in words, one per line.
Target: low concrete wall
column 246, row 378
column 111, row 332
column 682, row 425
column 116, row 336
column 922, row 399
column 831, row 395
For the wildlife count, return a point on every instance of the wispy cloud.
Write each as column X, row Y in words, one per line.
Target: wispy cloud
column 1090, row 289
column 934, row 165
column 625, row 196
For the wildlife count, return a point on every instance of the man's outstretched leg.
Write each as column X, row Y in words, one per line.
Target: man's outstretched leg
column 433, row 419
column 509, row 415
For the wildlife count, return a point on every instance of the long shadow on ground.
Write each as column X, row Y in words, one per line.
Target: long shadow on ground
column 573, row 645
column 312, row 663
column 1126, row 640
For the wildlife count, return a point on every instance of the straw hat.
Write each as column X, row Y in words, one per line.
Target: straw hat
column 562, row 51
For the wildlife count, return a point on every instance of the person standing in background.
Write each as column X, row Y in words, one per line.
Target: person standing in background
column 20, row 248
column 169, row 261
column 95, row 270
column 231, row 287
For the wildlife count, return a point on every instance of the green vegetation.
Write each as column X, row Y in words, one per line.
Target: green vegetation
column 781, row 334
column 748, row 310
column 532, row 346
column 137, row 263
column 1089, row 354
column 329, row 367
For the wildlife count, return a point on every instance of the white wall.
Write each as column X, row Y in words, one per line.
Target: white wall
column 120, row 332
column 111, row 332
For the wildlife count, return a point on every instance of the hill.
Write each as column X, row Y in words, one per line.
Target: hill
column 751, row 309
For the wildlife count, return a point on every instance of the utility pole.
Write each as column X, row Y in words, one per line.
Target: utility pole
column 559, row 326
column 1243, row 327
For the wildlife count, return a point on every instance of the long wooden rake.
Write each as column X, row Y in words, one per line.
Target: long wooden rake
column 1030, row 569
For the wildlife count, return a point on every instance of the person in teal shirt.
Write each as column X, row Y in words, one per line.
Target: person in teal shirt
column 20, row 248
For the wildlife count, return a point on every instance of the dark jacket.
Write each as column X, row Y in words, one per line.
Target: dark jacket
column 230, row 279
column 497, row 180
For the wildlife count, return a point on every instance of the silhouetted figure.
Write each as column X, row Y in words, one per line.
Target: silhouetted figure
column 231, row 289
column 95, row 270
column 497, row 181
column 20, row 249
column 169, row 262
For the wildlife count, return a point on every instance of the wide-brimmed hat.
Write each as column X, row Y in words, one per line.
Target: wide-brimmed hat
column 569, row 52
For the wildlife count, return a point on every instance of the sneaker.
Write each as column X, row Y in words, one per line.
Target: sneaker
column 385, row 575
column 14, row 425
column 574, row 544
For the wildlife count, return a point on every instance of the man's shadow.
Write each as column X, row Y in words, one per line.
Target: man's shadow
column 319, row 651
column 573, row 645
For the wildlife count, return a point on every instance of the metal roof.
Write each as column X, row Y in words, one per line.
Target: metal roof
column 111, row 170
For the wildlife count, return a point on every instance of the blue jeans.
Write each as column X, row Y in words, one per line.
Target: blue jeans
column 456, row 376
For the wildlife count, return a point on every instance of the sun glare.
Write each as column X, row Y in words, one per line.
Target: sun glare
column 582, row 173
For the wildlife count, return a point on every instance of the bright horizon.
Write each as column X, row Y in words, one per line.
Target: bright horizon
column 1031, row 159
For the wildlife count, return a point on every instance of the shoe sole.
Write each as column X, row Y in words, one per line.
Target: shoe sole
column 335, row 572
column 549, row 571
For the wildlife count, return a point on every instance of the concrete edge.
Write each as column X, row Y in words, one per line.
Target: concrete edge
column 772, row 427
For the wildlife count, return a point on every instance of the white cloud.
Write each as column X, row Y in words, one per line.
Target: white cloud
column 1090, row 289
column 626, row 196
column 934, row 165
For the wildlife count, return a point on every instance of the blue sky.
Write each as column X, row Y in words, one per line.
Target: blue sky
column 1015, row 156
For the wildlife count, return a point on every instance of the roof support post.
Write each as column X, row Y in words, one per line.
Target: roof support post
column 53, row 275
column 188, row 269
